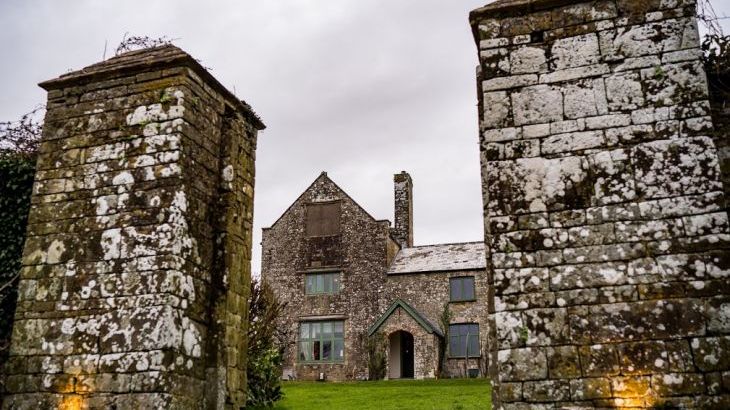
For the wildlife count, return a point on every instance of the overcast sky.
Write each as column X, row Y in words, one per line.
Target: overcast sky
column 361, row 89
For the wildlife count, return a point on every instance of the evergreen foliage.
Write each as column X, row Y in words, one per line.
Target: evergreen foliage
column 265, row 349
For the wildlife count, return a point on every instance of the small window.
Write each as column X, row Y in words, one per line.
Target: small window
column 323, row 219
column 464, row 340
column 461, row 288
column 322, row 341
column 321, row 283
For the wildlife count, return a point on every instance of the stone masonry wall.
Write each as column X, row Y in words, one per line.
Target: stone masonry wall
column 428, row 292
column 403, row 206
column 603, row 207
column 425, row 345
column 360, row 253
column 136, row 264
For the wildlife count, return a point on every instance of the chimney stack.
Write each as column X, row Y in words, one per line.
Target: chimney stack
column 403, row 230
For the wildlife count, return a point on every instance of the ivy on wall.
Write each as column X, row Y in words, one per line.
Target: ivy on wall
column 19, row 141
column 16, row 183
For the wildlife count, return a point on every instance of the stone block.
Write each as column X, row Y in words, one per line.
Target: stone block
column 631, row 387
column 522, row 364
column 576, row 141
column 527, row 60
column 670, row 168
column 599, row 360
column 511, row 330
column 537, row 104
column 495, row 62
column 505, row 83
column 674, row 384
column 496, row 109
column 638, row 320
column 718, row 311
column 510, row 391
column 643, row 358
column 624, row 92
column 576, row 73
column 673, row 84
column 546, row 390
column 575, row 51
column 563, row 362
column 711, row 353
column 590, row 388
column 588, row 275
column 524, row 280
column 546, row 327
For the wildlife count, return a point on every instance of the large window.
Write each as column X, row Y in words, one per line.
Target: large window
column 321, row 341
column 461, row 288
column 322, row 283
column 464, row 340
column 323, row 219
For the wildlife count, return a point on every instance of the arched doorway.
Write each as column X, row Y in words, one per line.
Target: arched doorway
column 400, row 363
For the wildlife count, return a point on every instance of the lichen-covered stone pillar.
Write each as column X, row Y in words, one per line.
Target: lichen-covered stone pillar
column 136, row 265
column 403, row 204
column 603, row 207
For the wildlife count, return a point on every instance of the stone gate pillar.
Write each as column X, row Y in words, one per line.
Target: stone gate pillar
column 133, row 291
column 608, row 244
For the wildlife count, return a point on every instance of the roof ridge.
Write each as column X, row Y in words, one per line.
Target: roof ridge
column 443, row 244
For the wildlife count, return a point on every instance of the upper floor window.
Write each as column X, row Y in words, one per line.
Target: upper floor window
column 321, row 283
column 464, row 340
column 322, row 341
column 323, row 219
column 461, row 288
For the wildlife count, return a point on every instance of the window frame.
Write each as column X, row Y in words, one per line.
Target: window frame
column 461, row 280
column 320, row 338
column 468, row 353
column 335, row 285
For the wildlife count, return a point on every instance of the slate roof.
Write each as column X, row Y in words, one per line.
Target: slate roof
column 439, row 258
column 427, row 325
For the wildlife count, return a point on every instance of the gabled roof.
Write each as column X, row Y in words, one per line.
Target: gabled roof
column 416, row 315
column 324, row 177
column 439, row 258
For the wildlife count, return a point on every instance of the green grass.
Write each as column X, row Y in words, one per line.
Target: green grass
column 451, row 394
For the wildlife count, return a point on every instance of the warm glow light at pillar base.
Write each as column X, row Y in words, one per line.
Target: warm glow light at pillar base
column 632, row 394
column 73, row 402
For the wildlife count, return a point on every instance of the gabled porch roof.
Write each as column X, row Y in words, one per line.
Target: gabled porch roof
column 416, row 315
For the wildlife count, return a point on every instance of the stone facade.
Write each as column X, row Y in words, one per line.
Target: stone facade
column 604, row 216
column 136, row 269
column 361, row 248
column 428, row 293
column 373, row 272
column 403, row 192
column 425, row 345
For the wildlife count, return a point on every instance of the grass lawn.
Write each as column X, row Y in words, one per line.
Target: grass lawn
column 446, row 394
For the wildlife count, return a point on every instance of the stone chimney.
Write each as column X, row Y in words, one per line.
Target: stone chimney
column 403, row 190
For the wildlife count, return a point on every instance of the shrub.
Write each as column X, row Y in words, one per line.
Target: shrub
column 375, row 346
column 18, row 152
column 265, row 350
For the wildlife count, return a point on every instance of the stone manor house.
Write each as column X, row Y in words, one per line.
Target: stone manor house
column 347, row 276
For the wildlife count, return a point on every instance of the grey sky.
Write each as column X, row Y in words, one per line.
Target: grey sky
column 361, row 89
